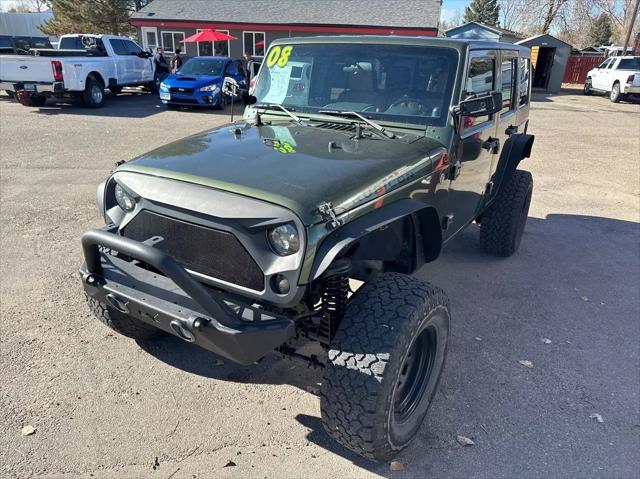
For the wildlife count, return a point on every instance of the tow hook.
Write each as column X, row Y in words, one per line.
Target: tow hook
column 185, row 329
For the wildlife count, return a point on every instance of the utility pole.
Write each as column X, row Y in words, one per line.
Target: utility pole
column 632, row 21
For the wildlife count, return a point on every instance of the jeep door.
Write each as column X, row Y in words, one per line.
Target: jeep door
column 510, row 120
column 477, row 138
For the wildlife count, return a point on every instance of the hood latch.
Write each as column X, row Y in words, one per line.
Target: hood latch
column 328, row 214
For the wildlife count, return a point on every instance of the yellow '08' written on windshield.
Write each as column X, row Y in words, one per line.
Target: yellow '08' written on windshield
column 279, row 56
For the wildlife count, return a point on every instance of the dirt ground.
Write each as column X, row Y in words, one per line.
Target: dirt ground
column 105, row 406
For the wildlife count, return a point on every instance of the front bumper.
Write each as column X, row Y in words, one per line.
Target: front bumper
column 196, row 98
column 631, row 89
column 36, row 88
column 176, row 302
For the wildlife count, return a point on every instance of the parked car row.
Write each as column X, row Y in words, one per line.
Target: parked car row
column 83, row 66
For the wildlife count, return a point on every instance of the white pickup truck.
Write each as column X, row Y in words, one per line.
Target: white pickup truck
column 82, row 66
column 617, row 76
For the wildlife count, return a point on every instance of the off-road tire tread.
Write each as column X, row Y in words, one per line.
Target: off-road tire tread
column 380, row 318
column 499, row 226
column 122, row 323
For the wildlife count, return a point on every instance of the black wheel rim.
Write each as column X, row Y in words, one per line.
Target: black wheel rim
column 414, row 374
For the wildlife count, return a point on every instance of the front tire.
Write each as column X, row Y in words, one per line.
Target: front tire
column 504, row 221
column 122, row 323
column 615, row 94
column 93, row 95
column 384, row 365
column 588, row 89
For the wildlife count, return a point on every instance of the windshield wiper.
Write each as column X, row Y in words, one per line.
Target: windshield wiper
column 382, row 131
column 276, row 106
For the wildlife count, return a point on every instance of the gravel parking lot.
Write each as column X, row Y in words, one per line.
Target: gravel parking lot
column 105, row 406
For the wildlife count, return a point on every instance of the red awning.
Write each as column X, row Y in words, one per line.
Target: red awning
column 260, row 44
column 209, row 36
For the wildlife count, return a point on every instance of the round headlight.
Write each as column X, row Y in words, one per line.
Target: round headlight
column 284, row 239
column 124, row 199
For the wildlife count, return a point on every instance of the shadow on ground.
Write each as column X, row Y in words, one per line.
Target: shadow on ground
column 131, row 103
column 567, row 282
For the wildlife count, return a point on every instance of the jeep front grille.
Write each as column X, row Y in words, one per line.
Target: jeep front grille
column 214, row 253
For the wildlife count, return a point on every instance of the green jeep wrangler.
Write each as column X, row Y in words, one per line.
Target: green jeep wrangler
column 356, row 161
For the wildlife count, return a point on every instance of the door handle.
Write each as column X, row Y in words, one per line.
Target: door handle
column 511, row 129
column 492, row 145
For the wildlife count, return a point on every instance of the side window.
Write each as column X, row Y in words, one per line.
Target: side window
column 604, row 63
column 132, row 48
column 524, row 73
column 508, row 82
column 612, row 63
column 480, row 80
column 233, row 68
column 119, row 47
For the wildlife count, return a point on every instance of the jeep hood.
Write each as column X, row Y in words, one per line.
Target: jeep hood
column 293, row 166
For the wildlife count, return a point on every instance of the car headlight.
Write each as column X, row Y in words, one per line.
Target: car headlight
column 284, row 239
column 164, row 86
column 124, row 199
column 211, row 88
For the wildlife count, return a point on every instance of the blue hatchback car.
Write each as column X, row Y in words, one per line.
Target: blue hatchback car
column 199, row 82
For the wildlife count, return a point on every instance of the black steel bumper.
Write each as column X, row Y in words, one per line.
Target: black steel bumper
column 174, row 301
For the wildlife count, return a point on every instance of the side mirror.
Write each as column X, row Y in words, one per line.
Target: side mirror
column 248, row 99
column 481, row 105
column 143, row 54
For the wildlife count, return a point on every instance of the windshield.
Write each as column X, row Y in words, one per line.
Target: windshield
column 629, row 64
column 199, row 66
column 398, row 83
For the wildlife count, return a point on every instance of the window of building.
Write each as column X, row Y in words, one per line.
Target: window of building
column 524, row 75
column 508, row 71
column 214, row 49
column 171, row 41
column 480, row 81
column 253, row 43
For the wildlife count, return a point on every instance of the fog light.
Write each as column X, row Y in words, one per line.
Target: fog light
column 281, row 284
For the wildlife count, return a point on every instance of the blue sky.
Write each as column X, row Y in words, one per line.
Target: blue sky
column 449, row 8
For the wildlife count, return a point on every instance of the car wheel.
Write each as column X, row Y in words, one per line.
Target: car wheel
column 93, row 95
column 587, row 90
column 122, row 323
column 615, row 95
column 384, row 365
column 504, row 221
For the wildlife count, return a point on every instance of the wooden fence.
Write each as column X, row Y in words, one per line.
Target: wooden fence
column 578, row 67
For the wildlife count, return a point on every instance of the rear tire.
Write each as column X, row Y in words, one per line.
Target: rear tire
column 384, row 365
column 93, row 94
column 122, row 323
column 615, row 95
column 504, row 221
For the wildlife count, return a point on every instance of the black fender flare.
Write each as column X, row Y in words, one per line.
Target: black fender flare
column 515, row 149
column 427, row 230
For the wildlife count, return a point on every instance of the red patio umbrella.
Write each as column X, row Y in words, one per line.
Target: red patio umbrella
column 208, row 36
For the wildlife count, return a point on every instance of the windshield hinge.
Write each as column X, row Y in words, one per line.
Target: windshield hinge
column 329, row 215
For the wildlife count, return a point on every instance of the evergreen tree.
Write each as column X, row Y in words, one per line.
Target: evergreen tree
column 483, row 11
column 600, row 31
column 91, row 16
